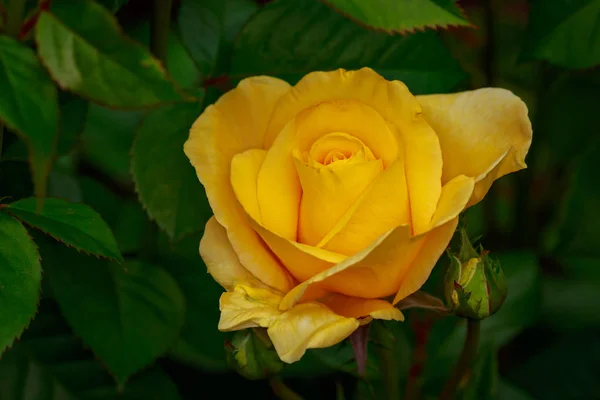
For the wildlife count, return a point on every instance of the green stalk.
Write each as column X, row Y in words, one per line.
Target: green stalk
column 159, row 45
column 1, row 138
column 160, row 25
column 282, row 391
column 388, row 363
column 14, row 16
column 465, row 362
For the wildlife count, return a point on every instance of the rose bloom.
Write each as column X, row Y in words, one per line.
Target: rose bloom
column 333, row 199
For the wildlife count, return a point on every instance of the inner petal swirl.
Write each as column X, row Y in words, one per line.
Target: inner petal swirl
column 333, row 174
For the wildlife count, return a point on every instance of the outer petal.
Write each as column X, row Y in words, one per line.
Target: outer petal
column 393, row 101
column 244, row 174
column 355, row 307
column 248, row 307
column 308, row 326
column 483, row 133
column 395, row 262
column 302, row 261
column 220, row 258
column 454, row 198
column 372, row 273
column 436, row 242
column 234, row 124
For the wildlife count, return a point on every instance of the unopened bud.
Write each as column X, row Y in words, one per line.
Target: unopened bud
column 475, row 286
column 252, row 354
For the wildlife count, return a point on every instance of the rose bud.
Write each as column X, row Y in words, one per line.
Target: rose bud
column 252, row 355
column 475, row 286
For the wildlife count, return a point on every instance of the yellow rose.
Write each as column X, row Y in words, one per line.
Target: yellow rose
column 333, row 199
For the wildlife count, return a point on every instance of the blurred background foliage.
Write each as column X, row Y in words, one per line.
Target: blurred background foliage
column 92, row 119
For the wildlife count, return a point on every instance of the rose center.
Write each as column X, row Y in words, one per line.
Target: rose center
column 336, row 147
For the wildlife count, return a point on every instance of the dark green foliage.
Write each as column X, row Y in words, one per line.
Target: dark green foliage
column 120, row 305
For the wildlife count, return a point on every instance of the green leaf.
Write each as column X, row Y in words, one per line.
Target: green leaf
column 29, row 106
column 165, row 180
column 128, row 316
column 421, row 60
column 200, row 343
column 565, row 32
column 74, row 224
column 107, row 138
column 50, row 363
column 86, row 52
column 20, row 279
column 208, row 29
column 180, row 65
column 125, row 216
column 402, row 16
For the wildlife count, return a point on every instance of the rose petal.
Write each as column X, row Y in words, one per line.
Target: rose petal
column 248, row 307
column 436, row 242
column 244, row 174
column 395, row 262
column 483, row 133
column 220, row 258
column 236, row 123
column 279, row 189
column 383, row 206
column 301, row 260
column 355, row 307
column 393, row 101
column 327, row 193
column 308, row 326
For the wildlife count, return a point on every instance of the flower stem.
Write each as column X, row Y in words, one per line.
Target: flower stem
column 1, row 138
column 388, row 363
column 14, row 16
column 159, row 31
column 282, row 391
column 465, row 361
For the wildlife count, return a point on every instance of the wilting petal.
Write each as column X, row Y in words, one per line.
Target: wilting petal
column 355, row 307
column 236, row 123
column 248, row 307
column 481, row 132
column 220, row 258
column 308, row 326
column 393, row 101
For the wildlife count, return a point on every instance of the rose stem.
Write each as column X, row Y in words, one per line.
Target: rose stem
column 160, row 25
column 282, row 391
column 159, row 42
column 465, row 361
column 14, row 16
